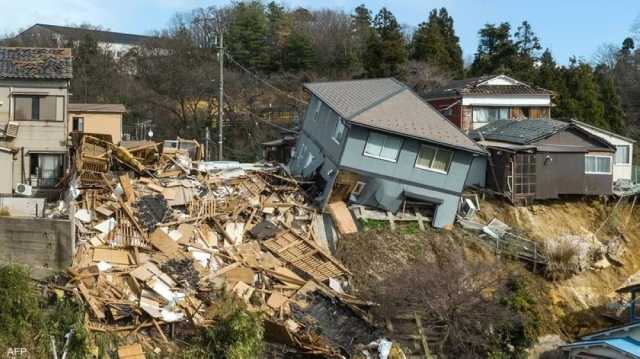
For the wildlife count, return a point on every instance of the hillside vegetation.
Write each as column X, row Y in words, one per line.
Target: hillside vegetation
column 496, row 305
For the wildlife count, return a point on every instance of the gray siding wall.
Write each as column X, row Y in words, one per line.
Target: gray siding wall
column 321, row 129
column 572, row 137
column 478, row 172
column 404, row 169
column 564, row 174
column 388, row 182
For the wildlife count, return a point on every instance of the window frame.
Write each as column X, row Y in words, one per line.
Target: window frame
column 628, row 147
column 36, row 107
column 435, row 155
column 474, row 108
column 358, row 188
column 598, row 173
column 80, row 120
column 395, row 160
column 316, row 113
column 335, row 131
column 45, row 182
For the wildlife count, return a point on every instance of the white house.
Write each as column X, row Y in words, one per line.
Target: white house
column 474, row 102
column 622, row 164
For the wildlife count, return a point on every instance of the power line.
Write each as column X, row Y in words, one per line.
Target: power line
column 264, row 81
column 257, row 117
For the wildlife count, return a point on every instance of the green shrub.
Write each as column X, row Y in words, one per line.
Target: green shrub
column 20, row 312
column 236, row 334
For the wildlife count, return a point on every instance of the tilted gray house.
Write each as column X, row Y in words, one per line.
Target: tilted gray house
column 376, row 143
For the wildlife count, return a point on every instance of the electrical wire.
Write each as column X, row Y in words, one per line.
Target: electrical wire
column 264, row 81
column 257, row 117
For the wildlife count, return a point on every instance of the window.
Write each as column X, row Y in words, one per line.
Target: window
column 383, row 147
column 338, row 133
column 447, row 112
column 78, row 124
column 622, row 155
column 316, row 112
column 434, row 159
column 488, row 114
column 357, row 189
column 45, row 169
column 597, row 164
column 33, row 108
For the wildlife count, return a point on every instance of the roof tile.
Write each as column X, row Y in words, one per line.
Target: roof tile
column 35, row 63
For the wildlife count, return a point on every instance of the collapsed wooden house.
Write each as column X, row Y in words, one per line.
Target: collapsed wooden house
column 545, row 159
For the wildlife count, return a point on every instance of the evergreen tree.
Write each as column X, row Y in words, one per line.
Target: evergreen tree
column 362, row 31
column 613, row 113
column 299, row 52
column 435, row 42
column 526, row 40
column 278, row 30
column 247, row 34
column 496, row 50
column 580, row 96
column 386, row 50
column 361, row 20
column 547, row 73
column 627, row 46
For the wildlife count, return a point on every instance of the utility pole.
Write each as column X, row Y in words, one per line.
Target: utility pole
column 206, row 144
column 221, row 95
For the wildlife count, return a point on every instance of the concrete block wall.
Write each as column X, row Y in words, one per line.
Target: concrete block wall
column 45, row 245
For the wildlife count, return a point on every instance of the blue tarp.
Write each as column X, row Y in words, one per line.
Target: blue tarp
column 626, row 345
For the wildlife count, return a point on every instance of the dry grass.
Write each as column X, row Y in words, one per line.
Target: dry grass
column 564, row 260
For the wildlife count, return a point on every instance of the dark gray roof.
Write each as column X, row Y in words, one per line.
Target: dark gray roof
column 475, row 86
column 35, row 63
column 519, row 132
column 390, row 106
column 76, row 33
column 350, row 97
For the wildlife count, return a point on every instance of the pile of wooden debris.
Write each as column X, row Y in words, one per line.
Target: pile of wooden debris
column 159, row 241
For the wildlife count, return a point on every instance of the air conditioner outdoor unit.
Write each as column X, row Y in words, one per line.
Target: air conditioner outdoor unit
column 23, row 189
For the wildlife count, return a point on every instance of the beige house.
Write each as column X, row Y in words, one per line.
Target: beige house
column 104, row 119
column 34, row 85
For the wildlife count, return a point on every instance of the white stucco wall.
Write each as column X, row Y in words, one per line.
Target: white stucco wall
column 33, row 136
column 620, row 170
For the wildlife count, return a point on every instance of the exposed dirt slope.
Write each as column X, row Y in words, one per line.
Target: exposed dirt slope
column 577, row 304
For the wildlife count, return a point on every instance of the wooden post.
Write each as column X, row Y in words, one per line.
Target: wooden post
column 391, row 221
column 626, row 223
column 423, row 340
column 420, row 222
column 632, row 307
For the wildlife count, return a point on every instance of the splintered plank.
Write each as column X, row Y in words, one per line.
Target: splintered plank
column 162, row 242
column 305, row 256
column 129, row 194
column 93, row 305
column 342, row 218
column 133, row 351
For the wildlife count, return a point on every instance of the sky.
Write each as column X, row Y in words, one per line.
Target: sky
column 567, row 27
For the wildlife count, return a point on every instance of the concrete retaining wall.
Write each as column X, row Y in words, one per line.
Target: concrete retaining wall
column 45, row 245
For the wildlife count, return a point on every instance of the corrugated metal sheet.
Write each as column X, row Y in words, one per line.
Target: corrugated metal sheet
column 518, row 132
